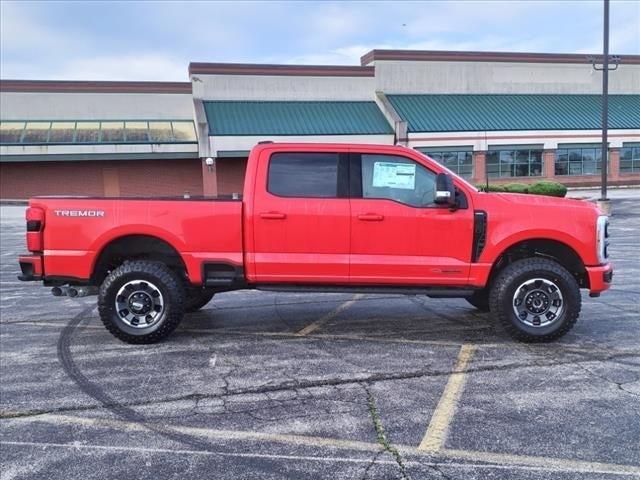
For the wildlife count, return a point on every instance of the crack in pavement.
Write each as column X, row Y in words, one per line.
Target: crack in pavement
column 291, row 385
column 373, row 461
column 620, row 385
column 94, row 391
column 381, row 435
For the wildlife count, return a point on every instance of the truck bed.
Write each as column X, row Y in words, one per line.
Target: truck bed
column 76, row 229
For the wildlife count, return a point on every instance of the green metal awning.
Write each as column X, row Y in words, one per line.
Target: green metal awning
column 295, row 118
column 477, row 113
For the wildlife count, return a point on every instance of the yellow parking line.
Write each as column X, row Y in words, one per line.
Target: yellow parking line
column 208, row 433
column 436, row 433
column 488, row 459
column 546, row 462
column 312, row 327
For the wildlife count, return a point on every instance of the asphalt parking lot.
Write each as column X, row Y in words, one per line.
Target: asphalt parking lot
column 269, row 386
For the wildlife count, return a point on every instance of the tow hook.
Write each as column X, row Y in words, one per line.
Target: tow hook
column 73, row 292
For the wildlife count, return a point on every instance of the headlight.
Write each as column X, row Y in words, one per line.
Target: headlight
column 602, row 238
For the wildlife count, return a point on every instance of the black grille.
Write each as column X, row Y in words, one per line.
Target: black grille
column 479, row 234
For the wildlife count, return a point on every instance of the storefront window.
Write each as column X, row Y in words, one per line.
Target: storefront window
column 87, row 132
column 184, row 132
column 160, row 132
column 111, row 132
column 459, row 161
column 96, row 132
column 136, row 132
column 517, row 161
column 62, row 132
column 630, row 158
column 11, row 132
column 36, row 132
column 578, row 160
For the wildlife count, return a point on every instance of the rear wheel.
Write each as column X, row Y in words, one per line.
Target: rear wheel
column 141, row 302
column 535, row 300
column 196, row 298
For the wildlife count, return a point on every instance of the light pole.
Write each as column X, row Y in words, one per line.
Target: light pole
column 604, row 156
column 605, row 99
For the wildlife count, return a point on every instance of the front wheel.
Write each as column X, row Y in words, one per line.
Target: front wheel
column 141, row 301
column 535, row 300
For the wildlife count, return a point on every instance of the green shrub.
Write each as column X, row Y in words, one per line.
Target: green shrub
column 554, row 189
column 492, row 188
column 516, row 188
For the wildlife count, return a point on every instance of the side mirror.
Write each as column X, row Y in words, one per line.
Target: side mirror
column 445, row 190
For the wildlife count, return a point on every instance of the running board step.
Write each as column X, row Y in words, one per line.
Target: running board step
column 440, row 292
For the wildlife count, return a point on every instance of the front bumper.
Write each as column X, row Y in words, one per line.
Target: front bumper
column 31, row 267
column 600, row 278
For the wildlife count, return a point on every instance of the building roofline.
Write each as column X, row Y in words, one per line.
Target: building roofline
column 72, row 86
column 196, row 68
column 515, row 57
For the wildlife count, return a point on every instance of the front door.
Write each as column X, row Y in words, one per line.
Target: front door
column 399, row 236
column 302, row 218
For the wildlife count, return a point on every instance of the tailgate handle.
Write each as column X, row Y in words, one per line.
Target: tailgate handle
column 273, row 216
column 370, row 217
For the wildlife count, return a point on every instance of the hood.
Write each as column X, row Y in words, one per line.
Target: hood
column 543, row 200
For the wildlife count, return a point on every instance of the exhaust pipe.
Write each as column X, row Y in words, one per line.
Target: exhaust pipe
column 59, row 291
column 74, row 292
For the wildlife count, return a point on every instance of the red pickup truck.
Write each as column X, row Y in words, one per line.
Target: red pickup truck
column 324, row 218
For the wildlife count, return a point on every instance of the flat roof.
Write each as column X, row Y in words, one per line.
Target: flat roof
column 515, row 57
column 273, row 69
column 82, row 86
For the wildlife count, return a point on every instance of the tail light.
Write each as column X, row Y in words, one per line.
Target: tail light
column 35, row 226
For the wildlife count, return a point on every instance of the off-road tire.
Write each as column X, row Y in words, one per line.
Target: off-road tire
column 506, row 283
column 196, row 298
column 480, row 300
column 159, row 275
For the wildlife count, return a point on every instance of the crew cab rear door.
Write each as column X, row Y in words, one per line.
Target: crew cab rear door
column 301, row 217
column 398, row 234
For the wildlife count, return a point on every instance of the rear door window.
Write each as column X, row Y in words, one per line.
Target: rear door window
column 313, row 175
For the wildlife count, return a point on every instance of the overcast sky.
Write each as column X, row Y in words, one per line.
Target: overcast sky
column 150, row 40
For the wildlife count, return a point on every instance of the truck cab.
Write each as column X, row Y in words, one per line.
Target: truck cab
column 325, row 217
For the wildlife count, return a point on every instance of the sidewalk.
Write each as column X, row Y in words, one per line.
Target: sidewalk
column 612, row 193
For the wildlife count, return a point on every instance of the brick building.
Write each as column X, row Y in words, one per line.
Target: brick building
column 510, row 117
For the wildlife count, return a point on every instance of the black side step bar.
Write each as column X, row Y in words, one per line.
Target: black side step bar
column 432, row 292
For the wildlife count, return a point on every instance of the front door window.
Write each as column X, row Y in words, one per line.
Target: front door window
column 396, row 178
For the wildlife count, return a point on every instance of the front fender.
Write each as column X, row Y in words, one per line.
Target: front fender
column 497, row 246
